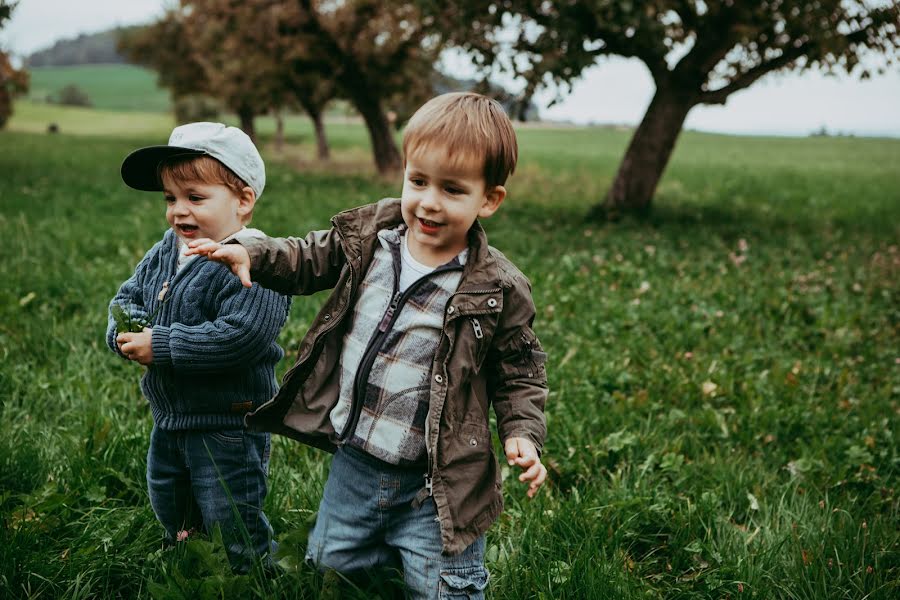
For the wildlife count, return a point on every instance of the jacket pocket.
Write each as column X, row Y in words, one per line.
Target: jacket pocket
column 465, row 450
column 525, row 358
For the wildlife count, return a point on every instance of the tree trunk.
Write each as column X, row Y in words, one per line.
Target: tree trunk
column 245, row 114
column 647, row 156
column 6, row 106
column 521, row 109
column 387, row 156
column 279, row 131
column 315, row 115
column 324, row 152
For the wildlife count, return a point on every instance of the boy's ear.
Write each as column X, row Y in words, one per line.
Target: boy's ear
column 246, row 202
column 493, row 198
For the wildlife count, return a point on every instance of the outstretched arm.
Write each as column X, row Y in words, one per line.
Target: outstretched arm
column 295, row 266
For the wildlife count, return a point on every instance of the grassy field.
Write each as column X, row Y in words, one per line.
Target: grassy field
column 109, row 87
column 725, row 376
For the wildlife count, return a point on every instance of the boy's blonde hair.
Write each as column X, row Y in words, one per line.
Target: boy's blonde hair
column 469, row 126
column 202, row 169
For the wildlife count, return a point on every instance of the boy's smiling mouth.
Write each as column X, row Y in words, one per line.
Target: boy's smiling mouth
column 186, row 230
column 429, row 226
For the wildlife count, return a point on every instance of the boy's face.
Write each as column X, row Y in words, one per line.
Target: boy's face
column 440, row 201
column 197, row 210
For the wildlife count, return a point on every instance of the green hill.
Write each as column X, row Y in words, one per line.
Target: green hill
column 109, row 87
column 87, row 48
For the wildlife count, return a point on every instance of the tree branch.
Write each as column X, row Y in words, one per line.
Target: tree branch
column 748, row 78
column 686, row 11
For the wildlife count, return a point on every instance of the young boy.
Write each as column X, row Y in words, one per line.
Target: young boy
column 427, row 327
column 210, row 351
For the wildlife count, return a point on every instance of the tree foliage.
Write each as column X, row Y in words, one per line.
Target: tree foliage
column 259, row 55
column 71, row 95
column 698, row 52
column 13, row 81
column 380, row 55
column 164, row 47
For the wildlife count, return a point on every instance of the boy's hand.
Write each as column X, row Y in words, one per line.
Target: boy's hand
column 137, row 346
column 234, row 255
column 522, row 452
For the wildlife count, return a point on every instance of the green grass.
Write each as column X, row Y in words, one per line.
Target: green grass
column 725, row 378
column 109, row 87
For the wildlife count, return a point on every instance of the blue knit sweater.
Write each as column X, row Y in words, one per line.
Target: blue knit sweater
column 214, row 349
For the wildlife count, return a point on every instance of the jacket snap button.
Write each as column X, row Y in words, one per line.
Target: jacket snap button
column 327, row 317
column 473, row 442
column 492, row 302
column 439, row 378
column 450, row 310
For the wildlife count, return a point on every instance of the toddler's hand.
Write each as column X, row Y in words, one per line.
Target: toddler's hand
column 137, row 346
column 522, row 452
column 234, row 255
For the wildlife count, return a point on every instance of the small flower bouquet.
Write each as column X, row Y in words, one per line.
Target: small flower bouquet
column 126, row 323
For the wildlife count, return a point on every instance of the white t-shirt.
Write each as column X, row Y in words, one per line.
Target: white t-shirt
column 412, row 270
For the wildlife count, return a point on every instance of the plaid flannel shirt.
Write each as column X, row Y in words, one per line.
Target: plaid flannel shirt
column 395, row 396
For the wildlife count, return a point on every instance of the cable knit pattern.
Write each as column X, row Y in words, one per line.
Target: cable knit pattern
column 214, row 349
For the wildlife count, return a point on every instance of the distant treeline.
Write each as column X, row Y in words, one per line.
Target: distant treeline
column 86, row 49
column 101, row 48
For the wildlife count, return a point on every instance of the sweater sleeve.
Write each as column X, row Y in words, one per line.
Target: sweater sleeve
column 247, row 322
column 130, row 297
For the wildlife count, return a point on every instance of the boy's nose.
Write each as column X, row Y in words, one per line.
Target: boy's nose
column 430, row 200
column 180, row 208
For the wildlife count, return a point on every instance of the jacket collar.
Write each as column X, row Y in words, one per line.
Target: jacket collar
column 481, row 271
column 358, row 226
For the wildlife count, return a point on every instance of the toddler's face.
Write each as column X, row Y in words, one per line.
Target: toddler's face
column 200, row 210
column 440, row 201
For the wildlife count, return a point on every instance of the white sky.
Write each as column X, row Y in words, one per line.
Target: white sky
column 615, row 90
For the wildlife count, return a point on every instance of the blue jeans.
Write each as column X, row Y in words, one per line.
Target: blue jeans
column 201, row 479
column 366, row 521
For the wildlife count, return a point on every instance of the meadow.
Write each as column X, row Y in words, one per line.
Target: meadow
column 109, row 87
column 724, row 375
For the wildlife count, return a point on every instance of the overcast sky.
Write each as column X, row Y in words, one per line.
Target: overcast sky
column 613, row 91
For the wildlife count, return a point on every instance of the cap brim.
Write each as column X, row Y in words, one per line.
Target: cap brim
column 140, row 169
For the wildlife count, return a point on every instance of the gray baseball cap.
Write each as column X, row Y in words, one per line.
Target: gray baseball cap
column 229, row 145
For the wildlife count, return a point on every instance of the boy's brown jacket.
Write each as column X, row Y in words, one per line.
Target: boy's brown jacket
column 487, row 354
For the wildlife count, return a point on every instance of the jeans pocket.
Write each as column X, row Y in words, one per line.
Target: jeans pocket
column 458, row 583
column 228, row 437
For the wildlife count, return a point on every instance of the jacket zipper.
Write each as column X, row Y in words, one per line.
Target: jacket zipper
column 377, row 341
column 476, row 327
